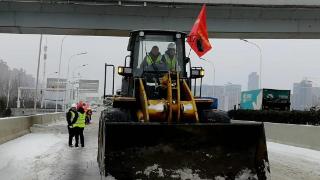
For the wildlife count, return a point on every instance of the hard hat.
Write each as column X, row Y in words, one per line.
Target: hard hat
column 171, row 46
column 74, row 105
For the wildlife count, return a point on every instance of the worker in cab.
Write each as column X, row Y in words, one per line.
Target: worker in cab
column 154, row 57
column 170, row 57
column 79, row 126
column 72, row 116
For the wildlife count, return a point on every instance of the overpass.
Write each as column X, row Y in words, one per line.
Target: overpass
column 270, row 19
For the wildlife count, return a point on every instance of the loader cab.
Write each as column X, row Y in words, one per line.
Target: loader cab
column 157, row 51
column 153, row 53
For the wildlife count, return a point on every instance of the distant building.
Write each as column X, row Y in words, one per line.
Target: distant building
column 316, row 96
column 232, row 95
column 207, row 91
column 253, row 81
column 227, row 95
column 219, row 93
column 303, row 94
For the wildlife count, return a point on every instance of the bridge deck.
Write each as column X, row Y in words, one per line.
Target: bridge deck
column 273, row 19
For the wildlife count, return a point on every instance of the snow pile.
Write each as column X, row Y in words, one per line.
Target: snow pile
column 209, row 156
column 246, row 174
column 219, row 178
column 267, row 169
column 185, row 174
column 154, row 169
column 109, row 177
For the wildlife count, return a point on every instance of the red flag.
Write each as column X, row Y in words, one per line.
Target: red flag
column 198, row 37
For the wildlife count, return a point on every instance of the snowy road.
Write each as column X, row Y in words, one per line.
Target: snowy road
column 44, row 154
column 293, row 163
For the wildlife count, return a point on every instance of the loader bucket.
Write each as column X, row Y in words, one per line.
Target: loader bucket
column 191, row 151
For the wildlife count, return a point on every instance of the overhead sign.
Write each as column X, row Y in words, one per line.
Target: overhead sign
column 55, row 83
column 88, row 86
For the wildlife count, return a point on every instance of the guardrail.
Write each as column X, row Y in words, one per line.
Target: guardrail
column 13, row 127
column 306, row 136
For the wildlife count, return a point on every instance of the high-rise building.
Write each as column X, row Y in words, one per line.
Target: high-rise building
column 253, row 81
column 316, row 96
column 232, row 96
column 228, row 95
column 303, row 93
column 219, row 94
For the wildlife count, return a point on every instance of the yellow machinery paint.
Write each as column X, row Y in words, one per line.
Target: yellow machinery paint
column 173, row 108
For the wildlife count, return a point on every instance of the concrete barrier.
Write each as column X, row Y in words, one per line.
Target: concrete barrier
column 13, row 127
column 29, row 111
column 297, row 135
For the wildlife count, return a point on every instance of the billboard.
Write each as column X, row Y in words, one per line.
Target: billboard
column 251, row 100
column 265, row 99
column 88, row 86
column 52, row 83
column 276, row 96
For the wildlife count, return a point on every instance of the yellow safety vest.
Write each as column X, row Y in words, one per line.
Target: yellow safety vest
column 81, row 121
column 72, row 115
column 150, row 61
column 171, row 63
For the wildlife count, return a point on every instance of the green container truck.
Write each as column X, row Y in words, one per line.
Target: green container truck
column 265, row 99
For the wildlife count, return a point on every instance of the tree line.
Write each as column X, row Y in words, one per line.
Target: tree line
column 10, row 81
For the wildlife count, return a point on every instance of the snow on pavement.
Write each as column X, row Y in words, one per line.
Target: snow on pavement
column 293, row 163
column 44, row 154
column 17, row 156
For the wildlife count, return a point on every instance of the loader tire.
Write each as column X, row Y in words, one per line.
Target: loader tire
column 214, row 116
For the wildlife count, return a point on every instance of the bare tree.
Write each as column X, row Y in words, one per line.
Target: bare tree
column 17, row 78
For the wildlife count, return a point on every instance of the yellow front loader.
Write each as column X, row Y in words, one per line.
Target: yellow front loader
column 155, row 127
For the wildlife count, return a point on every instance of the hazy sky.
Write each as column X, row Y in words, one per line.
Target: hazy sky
column 284, row 61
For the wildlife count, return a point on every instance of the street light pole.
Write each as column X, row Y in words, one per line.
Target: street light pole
column 59, row 72
column 83, row 65
column 37, row 80
column 78, row 67
column 78, row 54
column 260, row 51
column 44, row 72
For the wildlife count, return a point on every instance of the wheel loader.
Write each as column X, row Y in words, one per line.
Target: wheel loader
column 158, row 127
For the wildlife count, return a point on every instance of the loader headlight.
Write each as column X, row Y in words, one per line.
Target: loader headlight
column 197, row 72
column 201, row 72
column 125, row 71
column 120, row 70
